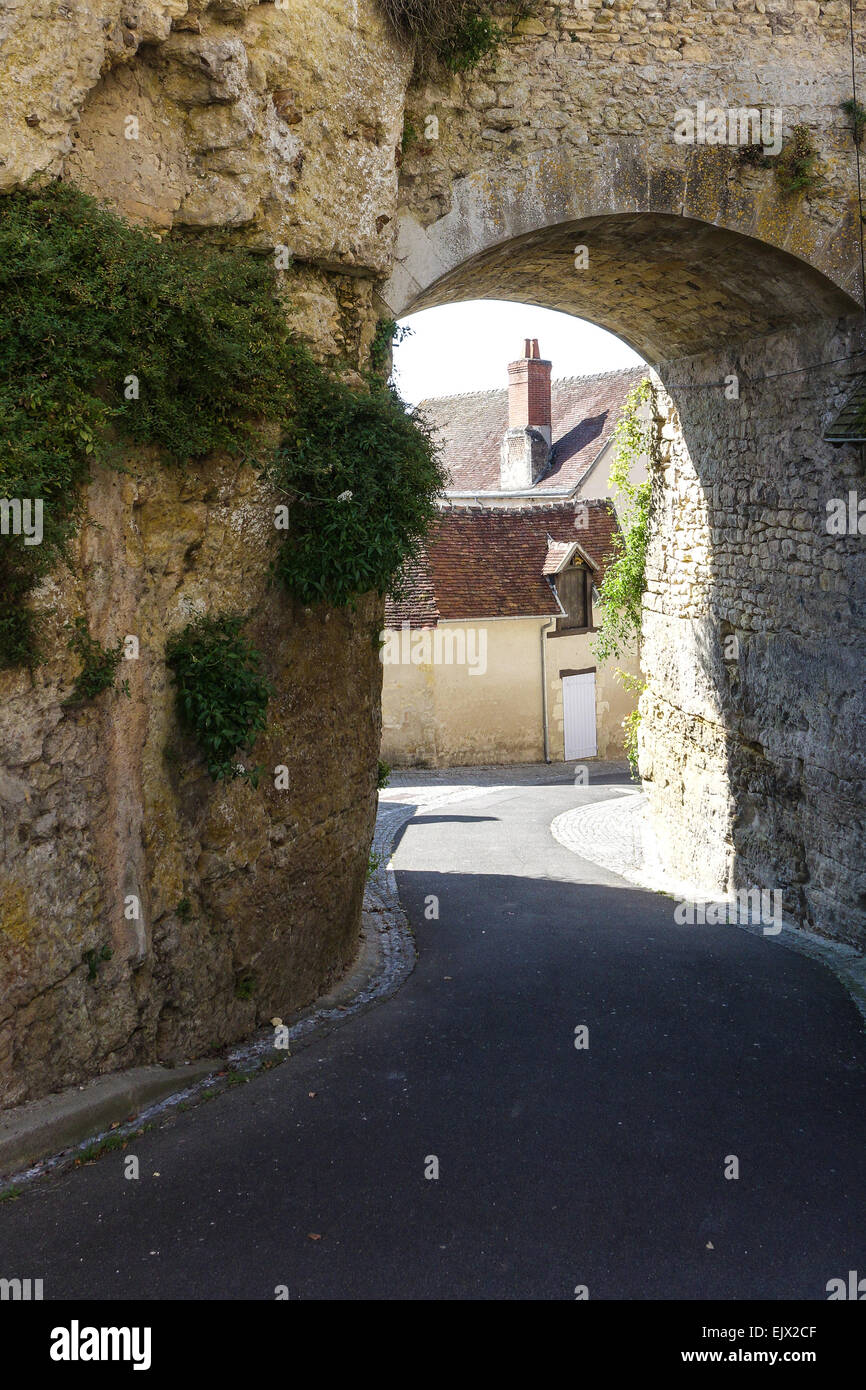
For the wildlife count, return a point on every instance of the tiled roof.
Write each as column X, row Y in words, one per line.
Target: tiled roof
column 416, row 603
column 584, row 410
column 488, row 562
column 849, row 427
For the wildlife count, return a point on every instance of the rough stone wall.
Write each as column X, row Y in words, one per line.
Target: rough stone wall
column 574, row 119
column 754, row 631
column 266, row 126
column 109, row 799
column 281, row 121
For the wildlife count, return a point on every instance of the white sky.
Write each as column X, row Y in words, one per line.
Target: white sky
column 467, row 347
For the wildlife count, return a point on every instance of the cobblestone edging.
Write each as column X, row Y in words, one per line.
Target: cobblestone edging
column 607, row 833
column 615, row 835
column 63, row 1125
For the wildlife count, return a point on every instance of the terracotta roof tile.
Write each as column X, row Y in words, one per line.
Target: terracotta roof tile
column 488, row 562
column 556, row 553
column 584, row 410
column 416, row 602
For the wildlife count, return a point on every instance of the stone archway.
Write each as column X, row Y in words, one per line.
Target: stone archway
column 685, row 249
column 669, row 286
column 750, row 760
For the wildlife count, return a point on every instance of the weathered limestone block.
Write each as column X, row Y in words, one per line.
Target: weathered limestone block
column 751, row 735
column 52, row 57
column 110, row 799
column 281, row 121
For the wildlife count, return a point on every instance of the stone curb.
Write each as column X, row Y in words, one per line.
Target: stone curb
column 43, row 1135
column 615, row 835
column 62, row 1120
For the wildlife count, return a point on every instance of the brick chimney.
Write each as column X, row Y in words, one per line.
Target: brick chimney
column 526, row 446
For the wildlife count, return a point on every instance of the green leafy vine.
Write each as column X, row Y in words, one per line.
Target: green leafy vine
column 222, row 696
column 624, row 581
column 98, row 664
column 622, row 587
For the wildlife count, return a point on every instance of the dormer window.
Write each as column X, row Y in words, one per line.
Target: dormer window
column 574, row 588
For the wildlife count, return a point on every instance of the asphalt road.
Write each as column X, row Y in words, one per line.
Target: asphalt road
column 558, row 1166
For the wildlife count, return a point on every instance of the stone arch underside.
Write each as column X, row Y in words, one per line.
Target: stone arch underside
column 669, row 286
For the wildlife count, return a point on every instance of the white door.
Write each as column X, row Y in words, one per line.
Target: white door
column 578, row 708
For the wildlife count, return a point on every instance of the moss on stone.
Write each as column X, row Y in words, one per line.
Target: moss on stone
column 16, row 921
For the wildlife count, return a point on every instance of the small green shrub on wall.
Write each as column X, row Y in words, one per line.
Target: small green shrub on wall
column 363, row 474
column 458, row 34
column 857, row 112
column 470, row 40
column 222, row 697
column 94, row 958
column 98, row 664
column 797, row 166
column 245, row 985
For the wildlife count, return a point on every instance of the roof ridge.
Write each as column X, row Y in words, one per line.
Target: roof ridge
column 598, row 376
column 530, row 508
column 555, row 381
column 464, row 395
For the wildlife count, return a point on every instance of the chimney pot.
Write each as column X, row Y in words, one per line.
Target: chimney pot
column 529, row 415
column 529, row 391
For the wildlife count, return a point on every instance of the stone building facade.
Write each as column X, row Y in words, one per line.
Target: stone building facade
column 488, row 652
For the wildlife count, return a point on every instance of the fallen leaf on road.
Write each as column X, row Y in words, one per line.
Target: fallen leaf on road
column 313, row 1235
